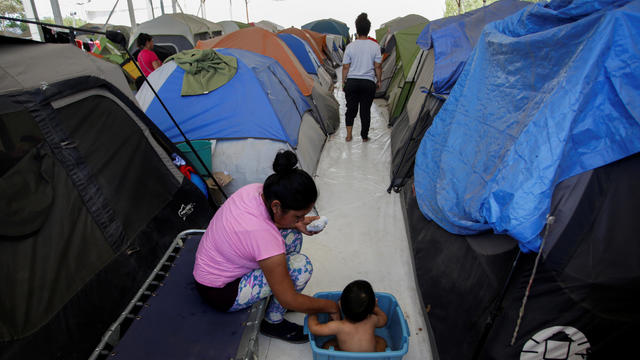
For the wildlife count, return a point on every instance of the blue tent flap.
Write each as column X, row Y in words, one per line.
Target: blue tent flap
column 548, row 93
column 453, row 39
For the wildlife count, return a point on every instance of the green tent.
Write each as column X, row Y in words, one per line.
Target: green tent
column 380, row 33
column 402, row 81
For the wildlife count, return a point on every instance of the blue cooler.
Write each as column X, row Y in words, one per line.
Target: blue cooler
column 395, row 332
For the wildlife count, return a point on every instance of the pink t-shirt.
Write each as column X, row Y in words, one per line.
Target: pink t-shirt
column 146, row 58
column 240, row 234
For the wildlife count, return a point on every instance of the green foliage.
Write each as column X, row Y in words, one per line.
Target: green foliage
column 11, row 7
column 67, row 21
column 467, row 5
column 451, row 8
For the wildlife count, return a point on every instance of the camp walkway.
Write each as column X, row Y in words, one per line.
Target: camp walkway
column 365, row 238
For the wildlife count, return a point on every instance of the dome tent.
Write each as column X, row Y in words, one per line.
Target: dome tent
column 304, row 35
column 581, row 296
column 263, row 42
column 229, row 26
column 424, row 101
column 308, row 59
column 176, row 32
column 91, row 199
column 330, row 26
column 399, row 23
column 251, row 117
column 403, row 78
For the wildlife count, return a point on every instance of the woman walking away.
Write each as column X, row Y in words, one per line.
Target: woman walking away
column 361, row 76
column 251, row 250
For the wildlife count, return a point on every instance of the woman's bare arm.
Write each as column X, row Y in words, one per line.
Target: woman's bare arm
column 277, row 274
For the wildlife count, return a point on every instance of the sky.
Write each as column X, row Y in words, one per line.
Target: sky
column 282, row 12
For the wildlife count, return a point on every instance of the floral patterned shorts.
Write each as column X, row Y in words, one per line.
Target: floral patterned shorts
column 253, row 285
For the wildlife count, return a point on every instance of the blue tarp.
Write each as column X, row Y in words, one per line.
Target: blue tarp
column 548, row 93
column 453, row 39
column 260, row 101
column 302, row 52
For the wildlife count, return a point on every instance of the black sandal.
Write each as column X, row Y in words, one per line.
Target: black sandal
column 284, row 330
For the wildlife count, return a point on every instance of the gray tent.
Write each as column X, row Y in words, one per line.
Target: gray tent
column 178, row 31
column 415, row 119
column 387, row 29
column 90, row 199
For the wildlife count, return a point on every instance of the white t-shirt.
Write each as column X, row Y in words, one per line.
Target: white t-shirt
column 361, row 54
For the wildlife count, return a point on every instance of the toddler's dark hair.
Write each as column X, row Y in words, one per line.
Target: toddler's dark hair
column 363, row 25
column 357, row 300
column 293, row 187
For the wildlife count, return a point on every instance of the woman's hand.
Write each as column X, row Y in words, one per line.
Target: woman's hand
column 302, row 225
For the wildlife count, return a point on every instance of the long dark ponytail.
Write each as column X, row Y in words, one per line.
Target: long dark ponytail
column 293, row 187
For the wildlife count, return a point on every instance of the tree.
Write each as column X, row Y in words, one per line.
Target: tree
column 67, row 21
column 12, row 8
column 452, row 6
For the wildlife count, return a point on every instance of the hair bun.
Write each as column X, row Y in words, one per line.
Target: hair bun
column 362, row 16
column 285, row 161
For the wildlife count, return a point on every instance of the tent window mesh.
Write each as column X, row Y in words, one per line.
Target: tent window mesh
column 19, row 133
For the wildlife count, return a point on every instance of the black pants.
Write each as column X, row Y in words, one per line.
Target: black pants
column 359, row 92
column 221, row 299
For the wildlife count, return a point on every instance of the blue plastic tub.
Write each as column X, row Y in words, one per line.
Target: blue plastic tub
column 395, row 332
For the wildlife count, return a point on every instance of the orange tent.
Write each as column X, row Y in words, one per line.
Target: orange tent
column 263, row 42
column 319, row 39
column 306, row 37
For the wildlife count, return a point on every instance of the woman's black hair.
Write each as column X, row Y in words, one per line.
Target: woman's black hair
column 363, row 25
column 142, row 39
column 293, row 187
column 357, row 300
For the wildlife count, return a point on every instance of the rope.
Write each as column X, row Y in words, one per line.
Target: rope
column 550, row 220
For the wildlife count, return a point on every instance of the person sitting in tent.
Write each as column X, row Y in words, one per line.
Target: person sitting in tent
column 147, row 59
column 251, row 249
column 361, row 76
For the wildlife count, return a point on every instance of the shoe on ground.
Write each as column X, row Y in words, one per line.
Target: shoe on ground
column 285, row 330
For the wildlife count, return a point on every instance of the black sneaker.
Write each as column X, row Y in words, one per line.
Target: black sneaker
column 284, row 330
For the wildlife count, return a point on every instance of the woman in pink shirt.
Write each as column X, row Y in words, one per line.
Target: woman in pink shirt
column 251, row 250
column 147, row 59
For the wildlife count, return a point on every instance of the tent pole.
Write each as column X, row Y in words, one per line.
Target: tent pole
column 32, row 13
column 246, row 6
column 57, row 15
column 104, row 27
column 132, row 14
column 153, row 14
column 495, row 311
